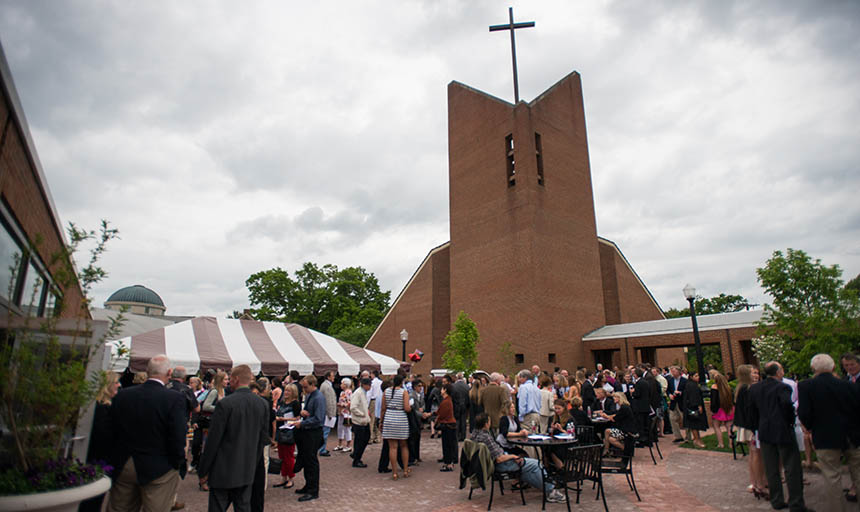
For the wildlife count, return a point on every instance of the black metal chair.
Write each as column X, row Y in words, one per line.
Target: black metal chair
column 583, row 465
column 500, row 477
column 653, row 440
column 624, row 465
column 585, row 435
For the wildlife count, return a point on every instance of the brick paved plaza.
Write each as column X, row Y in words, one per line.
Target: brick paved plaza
column 688, row 480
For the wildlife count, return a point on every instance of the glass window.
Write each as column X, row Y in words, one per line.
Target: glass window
column 10, row 264
column 31, row 300
column 51, row 303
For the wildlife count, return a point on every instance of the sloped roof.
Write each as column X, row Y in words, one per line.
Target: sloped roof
column 677, row 325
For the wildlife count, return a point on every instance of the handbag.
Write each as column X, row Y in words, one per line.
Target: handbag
column 693, row 413
column 285, row 436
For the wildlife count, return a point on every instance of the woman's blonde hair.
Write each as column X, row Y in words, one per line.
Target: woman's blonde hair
column 140, row 378
column 475, row 392
column 218, row 382
column 290, row 389
column 622, row 398
column 744, row 378
column 103, row 395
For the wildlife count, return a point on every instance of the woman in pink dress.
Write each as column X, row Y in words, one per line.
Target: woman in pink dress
column 722, row 407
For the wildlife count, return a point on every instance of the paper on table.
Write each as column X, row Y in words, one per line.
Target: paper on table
column 330, row 421
column 538, row 436
column 287, row 426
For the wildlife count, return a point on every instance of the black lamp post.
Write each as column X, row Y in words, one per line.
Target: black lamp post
column 690, row 295
column 403, row 337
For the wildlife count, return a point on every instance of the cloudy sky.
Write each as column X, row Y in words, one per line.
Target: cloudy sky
column 224, row 138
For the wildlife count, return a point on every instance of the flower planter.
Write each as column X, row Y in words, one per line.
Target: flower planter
column 65, row 500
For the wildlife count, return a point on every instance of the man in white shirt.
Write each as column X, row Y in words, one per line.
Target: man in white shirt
column 360, row 412
column 375, row 406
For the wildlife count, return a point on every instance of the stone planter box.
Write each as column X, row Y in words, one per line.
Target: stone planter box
column 65, row 500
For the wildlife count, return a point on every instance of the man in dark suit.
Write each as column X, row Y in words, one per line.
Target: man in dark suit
column 771, row 402
column 149, row 424
column 675, row 390
column 641, row 403
column 238, row 433
column 851, row 363
column 460, row 399
column 588, row 396
column 830, row 409
column 603, row 403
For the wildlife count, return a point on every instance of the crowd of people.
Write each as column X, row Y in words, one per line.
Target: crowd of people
column 237, row 418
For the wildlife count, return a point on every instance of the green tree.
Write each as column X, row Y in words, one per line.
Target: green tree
column 811, row 309
column 461, row 346
column 345, row 303
column 854, row 284
column 721, row 303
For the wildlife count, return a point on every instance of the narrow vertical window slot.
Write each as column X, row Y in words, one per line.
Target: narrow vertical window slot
column 539, row 156
column 509, row 155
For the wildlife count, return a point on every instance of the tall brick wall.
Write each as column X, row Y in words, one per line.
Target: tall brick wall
column 625, row 297
column 423, row 310
column 524, row 260
column 20, row 189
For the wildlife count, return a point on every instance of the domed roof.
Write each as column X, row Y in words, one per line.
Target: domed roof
column 136, row 293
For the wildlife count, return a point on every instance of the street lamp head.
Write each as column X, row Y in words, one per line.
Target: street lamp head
column 404, row 335
column 689, row 292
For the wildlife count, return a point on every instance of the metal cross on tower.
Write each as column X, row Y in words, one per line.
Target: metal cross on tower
column 513, row 26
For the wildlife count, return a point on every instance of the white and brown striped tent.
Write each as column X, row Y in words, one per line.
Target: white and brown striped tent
column 270, row 348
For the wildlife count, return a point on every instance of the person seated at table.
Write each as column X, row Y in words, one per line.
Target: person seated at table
column 603, row 402
column 579, row 416
column 509, row 428
column 624, row 424
column 530, row 471
column 562, row 423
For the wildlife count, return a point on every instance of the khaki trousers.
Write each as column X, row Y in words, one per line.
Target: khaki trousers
column 126, row 495
column 675, row 418
column 830, row 463
column 374, row 428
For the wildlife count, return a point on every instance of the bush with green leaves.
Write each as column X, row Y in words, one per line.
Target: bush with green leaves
column 461, row 352
column 45, row 385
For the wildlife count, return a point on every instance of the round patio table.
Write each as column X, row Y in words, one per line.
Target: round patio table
column 544, row 443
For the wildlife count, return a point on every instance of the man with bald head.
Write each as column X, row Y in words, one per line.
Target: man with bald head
column 770, row 402
column 149, row 425
column 233, row 453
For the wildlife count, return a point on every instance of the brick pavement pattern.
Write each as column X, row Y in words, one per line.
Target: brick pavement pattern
column 688, row 480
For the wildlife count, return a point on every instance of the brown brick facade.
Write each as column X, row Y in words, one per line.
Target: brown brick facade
column 670, row 347
column 524, row 260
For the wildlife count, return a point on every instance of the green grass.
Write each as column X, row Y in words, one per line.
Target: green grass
column 711, row 445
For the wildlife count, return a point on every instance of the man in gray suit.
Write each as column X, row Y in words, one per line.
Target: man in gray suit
column 238, row 431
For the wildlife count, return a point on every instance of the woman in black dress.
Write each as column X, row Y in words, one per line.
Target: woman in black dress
column 100, row 447
column 695, row 419
column 623, row 423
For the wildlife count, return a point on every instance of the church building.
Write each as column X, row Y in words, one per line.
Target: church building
column 524, row 260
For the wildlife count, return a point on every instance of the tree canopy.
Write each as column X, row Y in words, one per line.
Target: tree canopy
column 812, row 311
column 346, row 303
column 721, row 303
column 461, row 352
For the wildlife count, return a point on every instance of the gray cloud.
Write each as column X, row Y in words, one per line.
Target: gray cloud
column 222, row 143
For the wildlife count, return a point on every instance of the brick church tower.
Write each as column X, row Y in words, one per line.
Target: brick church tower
column 524, row 260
